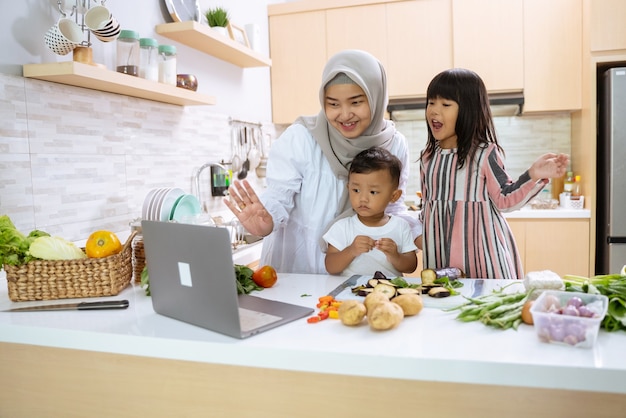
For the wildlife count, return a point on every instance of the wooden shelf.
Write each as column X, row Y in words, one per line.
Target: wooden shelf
column 203, row 38
column 93, row 77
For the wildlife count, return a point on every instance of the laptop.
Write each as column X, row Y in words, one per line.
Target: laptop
column 192, row 279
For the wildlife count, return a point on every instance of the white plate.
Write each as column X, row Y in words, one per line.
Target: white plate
column 147, row 201
column 167, row 204
column 186, row 207
column 156, row 201
column 183, row 10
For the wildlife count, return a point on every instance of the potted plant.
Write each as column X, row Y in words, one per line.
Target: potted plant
column 218, row 19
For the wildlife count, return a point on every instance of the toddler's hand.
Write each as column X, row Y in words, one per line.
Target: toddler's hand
column 362, row 244
column 387, row 246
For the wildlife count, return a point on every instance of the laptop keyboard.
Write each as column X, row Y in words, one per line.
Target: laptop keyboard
column 250, row 320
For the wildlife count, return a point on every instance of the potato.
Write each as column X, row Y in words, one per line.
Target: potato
column 351, row 312
column 410, row 303
column 385, row 316
column 374, row 299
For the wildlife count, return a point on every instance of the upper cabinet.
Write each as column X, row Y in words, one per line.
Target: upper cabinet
column 298, row 58
column 534, row 46
column 418, row 46
column 489, row 39
column 552, row 55
column 608, row 25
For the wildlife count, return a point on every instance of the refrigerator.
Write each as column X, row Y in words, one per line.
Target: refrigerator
column 611, row 172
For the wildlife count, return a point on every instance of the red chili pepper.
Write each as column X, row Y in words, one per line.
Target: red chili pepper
column 313, row 319
column 323, row 315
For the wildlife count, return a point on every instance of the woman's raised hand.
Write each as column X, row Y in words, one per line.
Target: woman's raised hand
column 245, row 204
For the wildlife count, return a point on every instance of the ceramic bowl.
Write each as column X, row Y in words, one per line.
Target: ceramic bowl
column 187, row 81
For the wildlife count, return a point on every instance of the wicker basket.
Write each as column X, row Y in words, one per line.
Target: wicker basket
column 65, row 279
column 139, row 258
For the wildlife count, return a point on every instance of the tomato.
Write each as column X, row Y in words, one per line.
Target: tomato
column 102, row 244
column 265, row 276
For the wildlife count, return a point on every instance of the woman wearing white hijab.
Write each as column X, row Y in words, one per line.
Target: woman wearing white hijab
column 307, row 169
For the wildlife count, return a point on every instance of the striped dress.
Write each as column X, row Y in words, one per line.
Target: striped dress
column 461, row 214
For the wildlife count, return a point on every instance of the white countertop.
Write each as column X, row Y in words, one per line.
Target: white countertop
column 432, row 346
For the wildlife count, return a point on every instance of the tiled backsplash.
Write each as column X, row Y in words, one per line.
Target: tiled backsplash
column 74, row 160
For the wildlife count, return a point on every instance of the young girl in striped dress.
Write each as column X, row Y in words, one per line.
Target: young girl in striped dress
column 465, row 187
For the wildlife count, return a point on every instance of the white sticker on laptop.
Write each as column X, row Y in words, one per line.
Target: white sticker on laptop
column 184, row 274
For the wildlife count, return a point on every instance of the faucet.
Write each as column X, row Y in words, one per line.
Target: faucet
column 197, row 179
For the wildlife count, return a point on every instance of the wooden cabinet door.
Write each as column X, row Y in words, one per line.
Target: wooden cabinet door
column 298, row 52
column 560, row 245
column 608, row 25
column 488, row 39
column 359, row 27
column 419, row 45
column 518, row 228
column 552, row 55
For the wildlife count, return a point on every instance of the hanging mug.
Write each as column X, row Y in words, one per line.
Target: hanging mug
column 64, row 36
column 102, row 23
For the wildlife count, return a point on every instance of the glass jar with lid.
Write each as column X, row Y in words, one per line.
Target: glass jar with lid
column 148, row 59
column 167, row 64
column 128, row 52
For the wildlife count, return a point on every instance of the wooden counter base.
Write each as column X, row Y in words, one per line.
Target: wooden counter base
column 51, row 382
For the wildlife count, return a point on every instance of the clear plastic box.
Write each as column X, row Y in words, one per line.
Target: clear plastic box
column 555, row 327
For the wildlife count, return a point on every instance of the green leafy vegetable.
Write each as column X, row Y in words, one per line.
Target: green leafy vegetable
column 612, row 286
column 243, row 275
column 245, row 284
column 14, row 245
column 55, row 248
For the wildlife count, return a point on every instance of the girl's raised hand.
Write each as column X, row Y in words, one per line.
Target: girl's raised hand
column 244, row 203
column 549, row 166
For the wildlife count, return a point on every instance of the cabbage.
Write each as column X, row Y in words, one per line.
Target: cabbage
column 55, row 248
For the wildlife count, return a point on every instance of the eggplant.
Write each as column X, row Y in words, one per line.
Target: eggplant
column 451, row 273
column 439, row 292
column 386, row 289
column 407, row 290
column 364, row 291
column 372, row 282
column 379, row 275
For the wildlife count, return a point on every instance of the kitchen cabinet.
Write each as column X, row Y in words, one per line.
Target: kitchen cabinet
column 204, row 39
column 93, row 77
column 488, row 39
column 390, row 27
column 298, row 58
column 560, row 245
column 608, row 31
column 552, row 55
column 418, row 45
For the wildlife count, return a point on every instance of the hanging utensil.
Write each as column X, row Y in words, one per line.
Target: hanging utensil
column 254, row 155
column 246, row 164
column 236, row 159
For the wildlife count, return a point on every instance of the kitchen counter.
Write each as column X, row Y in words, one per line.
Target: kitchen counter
column 559, row 213
column 428, row 355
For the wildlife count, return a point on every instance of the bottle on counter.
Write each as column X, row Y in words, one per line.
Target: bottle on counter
column 576, row 189
column 167, row 64
column 128, row 52
column 148, row 59
column 568, row 184
column 557, row 186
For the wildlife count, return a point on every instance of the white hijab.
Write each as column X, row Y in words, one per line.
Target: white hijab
column 368, row 73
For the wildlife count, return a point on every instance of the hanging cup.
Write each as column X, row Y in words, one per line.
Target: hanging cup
column 102, row 23
column 64, row 36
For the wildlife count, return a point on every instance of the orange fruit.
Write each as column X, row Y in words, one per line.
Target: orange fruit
column 265, row 276
column 102, row 244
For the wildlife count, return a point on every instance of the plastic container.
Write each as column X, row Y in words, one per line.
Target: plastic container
column 149, row 59
column 128, row 52
column 552, row 326
column 167, row 64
